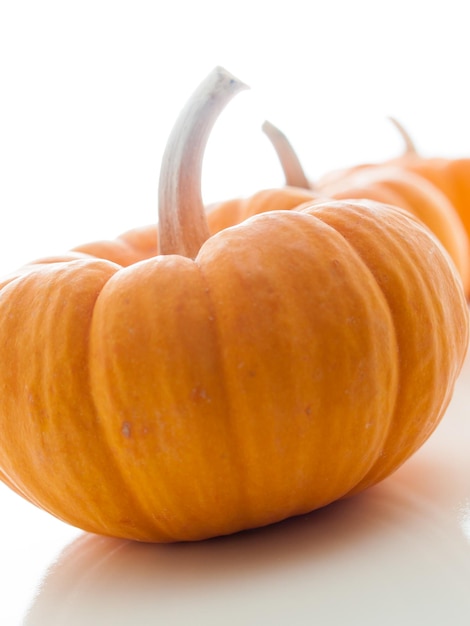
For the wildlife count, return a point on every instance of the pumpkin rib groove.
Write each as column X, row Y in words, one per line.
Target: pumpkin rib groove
column 398, row 357
column 114, row 469
column 168, row 480
column 314, row 211
column 299, row 227
column 96, row 518
column 406, row 257
column 230, row 417
column 44, row 403
column 136, row 508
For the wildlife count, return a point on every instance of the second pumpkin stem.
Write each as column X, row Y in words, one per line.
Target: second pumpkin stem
column 290, row 163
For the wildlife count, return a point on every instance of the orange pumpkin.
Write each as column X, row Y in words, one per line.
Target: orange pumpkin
column 234, row 379
column 392, row 183
column 451, row 176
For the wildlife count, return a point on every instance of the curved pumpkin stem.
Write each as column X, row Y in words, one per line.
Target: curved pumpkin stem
column 182, row 222
column 410, row 147
column 290, row 163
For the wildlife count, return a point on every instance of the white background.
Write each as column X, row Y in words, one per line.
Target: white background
column 88, row 94
column 90, row 90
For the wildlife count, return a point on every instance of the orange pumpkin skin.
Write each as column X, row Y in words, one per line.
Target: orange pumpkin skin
column 130, row 247
column 302, row 356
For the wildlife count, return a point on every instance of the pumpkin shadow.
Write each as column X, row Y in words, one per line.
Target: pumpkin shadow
column 393, row 546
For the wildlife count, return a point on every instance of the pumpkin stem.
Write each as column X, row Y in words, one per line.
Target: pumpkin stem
column 410, row 147
column 182, row 221
column 290, row 163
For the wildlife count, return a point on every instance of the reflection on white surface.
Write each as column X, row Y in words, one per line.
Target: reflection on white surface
column 465, row 519
column 29, row 540
column 379, row 559
column 398, row 554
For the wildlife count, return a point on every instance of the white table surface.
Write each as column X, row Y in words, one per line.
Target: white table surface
column 397, row 554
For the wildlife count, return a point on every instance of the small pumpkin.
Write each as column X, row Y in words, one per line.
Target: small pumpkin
column 234, row 379
column 451, row 176
column 142, row 243
column 397, row 183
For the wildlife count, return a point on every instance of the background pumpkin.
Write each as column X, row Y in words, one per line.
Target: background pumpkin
column 400, row 183
column 142, row 243
column 302, row 356
column 451, row 176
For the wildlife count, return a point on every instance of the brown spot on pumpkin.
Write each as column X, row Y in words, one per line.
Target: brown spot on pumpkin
column 308, row 410
column 126, row 429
